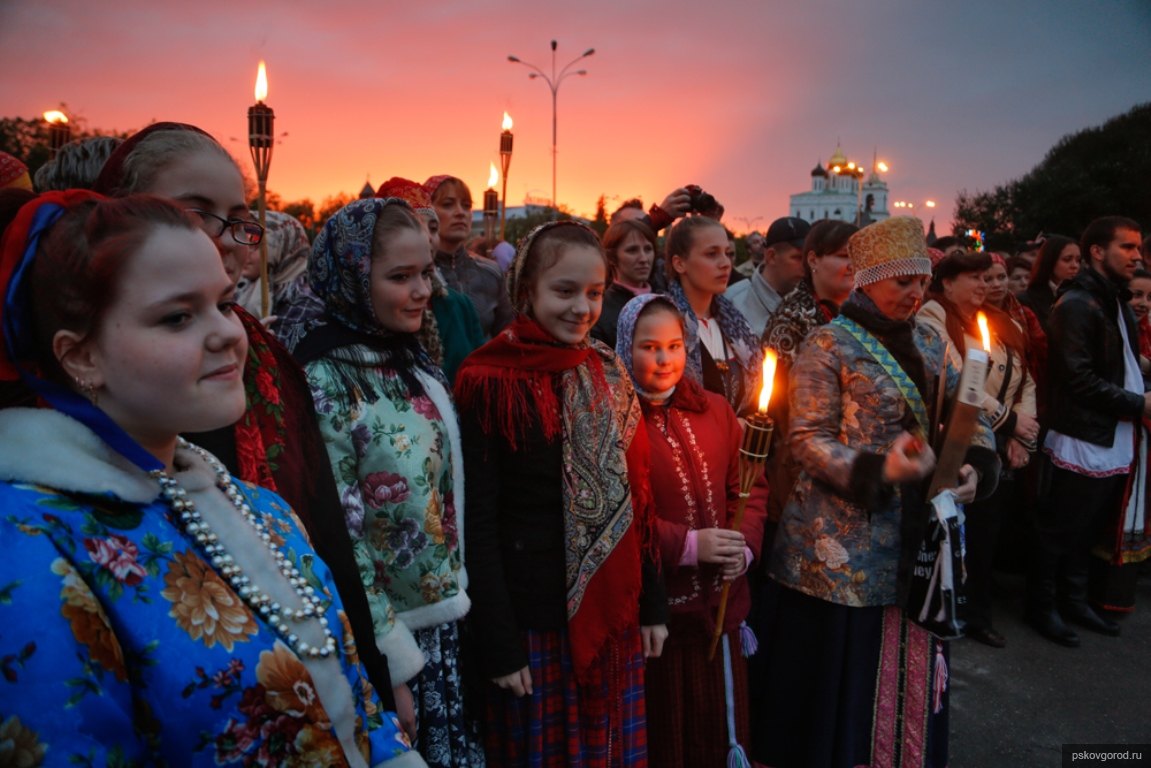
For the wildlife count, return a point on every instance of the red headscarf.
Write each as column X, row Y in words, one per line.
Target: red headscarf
column 433, row 183
column 16, row 249
column 13, row 173
column 412, row 193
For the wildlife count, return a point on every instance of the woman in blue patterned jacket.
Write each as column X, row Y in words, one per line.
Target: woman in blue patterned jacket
column 851, row 681
column 155, row 610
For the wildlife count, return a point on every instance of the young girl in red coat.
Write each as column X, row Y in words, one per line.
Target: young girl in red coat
column 559, row 519
column 695, row 441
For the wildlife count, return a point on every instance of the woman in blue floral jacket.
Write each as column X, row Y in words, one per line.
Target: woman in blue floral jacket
column 851, row 681
column 393, row 442
column 154, row 610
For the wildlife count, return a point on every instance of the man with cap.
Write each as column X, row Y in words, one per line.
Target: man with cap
column 781, row 270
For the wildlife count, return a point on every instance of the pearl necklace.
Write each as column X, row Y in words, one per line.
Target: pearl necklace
column 198, row 530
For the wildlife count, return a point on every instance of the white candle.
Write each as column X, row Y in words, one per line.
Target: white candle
column 974, row 377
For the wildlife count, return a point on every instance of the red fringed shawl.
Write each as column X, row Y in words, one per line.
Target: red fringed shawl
column 596, row 413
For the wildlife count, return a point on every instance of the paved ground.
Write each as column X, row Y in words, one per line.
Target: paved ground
column 1016, row 706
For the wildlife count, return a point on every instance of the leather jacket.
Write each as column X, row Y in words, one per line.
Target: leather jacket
column 1085, row 364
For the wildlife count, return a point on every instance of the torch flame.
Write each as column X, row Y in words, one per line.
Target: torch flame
column 55, row 116
column 986, row 334
column 769, row 361
column 262, row 82
column 493, row 176
column 507, row 122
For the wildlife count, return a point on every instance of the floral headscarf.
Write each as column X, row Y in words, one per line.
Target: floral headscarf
column 625, row 330
column 736, row 332
column 518, row 290
column 288, row 250
column 339, row 275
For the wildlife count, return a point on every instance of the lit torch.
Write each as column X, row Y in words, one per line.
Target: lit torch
column 260, row 140
column 491, row 202
column 752, row 457
column 505, row 163
column 59, row 131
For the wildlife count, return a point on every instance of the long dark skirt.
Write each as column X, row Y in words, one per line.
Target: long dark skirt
column 851, row 686
column 448, row 734
column 687, row 702
column 564, row 724
column 981, row 536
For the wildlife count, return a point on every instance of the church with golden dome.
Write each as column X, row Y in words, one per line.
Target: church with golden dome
column 838, row 191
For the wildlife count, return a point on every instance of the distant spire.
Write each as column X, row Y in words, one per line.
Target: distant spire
column 931, row 237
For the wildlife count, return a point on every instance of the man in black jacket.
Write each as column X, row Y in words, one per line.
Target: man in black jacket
column 1096, row 400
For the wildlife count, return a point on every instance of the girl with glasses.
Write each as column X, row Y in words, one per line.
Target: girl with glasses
column 275, row 442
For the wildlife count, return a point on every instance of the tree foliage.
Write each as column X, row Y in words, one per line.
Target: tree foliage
column 330, row 205
column 26, row 139
column 515, row 229
column 1098, row 171
column 600, row 222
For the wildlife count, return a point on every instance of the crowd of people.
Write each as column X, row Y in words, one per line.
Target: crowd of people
column 235, row 530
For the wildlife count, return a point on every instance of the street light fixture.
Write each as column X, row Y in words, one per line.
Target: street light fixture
column 554, row 85
column 748, row 223
column 856, row 172
column 912, row 206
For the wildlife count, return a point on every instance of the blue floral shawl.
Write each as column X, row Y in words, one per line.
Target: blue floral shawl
column 736, row 332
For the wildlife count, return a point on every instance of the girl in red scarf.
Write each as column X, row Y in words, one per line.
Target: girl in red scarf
column 560, row 520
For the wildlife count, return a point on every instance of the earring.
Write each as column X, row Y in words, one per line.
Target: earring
column 88, row 390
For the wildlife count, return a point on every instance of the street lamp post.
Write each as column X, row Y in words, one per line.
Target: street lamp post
column 748, row 223
column 554, row 85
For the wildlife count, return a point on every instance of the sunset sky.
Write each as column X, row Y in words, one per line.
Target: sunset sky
column 740, row 97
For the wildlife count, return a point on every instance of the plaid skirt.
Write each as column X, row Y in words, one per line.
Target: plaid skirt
column 687, row 702
column 562, row 724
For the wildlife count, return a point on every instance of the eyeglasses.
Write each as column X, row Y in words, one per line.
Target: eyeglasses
column 244, row 232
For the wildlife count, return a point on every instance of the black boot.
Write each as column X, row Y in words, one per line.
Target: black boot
column 1041, row 613
column 1076, row 608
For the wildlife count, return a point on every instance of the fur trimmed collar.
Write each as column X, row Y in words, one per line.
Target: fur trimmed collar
column 45, row 447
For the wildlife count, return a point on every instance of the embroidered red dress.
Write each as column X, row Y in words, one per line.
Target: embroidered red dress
column 695, row 440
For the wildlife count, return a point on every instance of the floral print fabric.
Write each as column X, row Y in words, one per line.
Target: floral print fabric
column 392, row 458
column 844, row 404
column 121, row 645
column 447, row 737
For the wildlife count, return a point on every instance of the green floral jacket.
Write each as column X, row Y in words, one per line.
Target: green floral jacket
column 396, row 460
